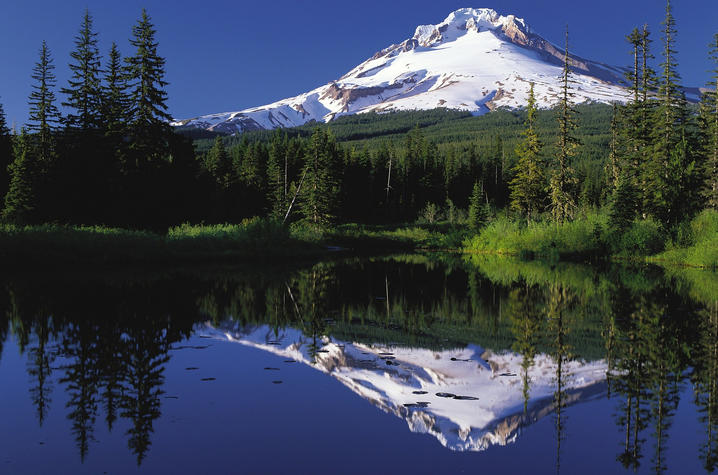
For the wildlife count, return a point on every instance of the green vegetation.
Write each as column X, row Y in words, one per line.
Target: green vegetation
column 579, row 181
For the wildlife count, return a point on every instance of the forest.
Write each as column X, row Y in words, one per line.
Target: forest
column 639, row 178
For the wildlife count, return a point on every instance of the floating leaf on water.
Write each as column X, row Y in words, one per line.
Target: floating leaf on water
column 466, row 398
column 449, row 395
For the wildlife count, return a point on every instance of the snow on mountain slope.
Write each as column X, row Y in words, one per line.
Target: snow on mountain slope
column 416, row 384
column 475, row 60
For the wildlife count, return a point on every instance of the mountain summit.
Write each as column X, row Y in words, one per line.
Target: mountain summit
column 474, row 60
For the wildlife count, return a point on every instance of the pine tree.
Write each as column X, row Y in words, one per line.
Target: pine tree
column 478, row 212
column 6, row 154
column 148, row 110
column 709, row 132
column 21, row 198
column 276, row 175
column 665, row 174
column 320, row 181
column 218, row 164
column 529, row 182
column 83, row 91
column 44, row 116
column 623, row 202
column 115, row 104
column 563, row 180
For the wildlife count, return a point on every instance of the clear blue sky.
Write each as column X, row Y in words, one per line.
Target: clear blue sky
column 229, row 55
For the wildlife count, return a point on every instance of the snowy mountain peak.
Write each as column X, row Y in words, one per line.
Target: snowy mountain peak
column 465, row 20
column 475, row 60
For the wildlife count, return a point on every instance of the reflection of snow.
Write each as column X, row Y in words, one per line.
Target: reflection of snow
column 390, row 378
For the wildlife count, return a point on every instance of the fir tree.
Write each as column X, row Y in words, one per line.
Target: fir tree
column 709, row 132
column 115, row 104
column 21, row 198
column 276, row 175
column 563, row 180
column 218, row 164
column 83, row 91
column 5, row 154
column 529, row 182
column 623, row 202
column 478, row 213
column 666, row 172
column 148, row 110
column 320, row 180
column 44, row 116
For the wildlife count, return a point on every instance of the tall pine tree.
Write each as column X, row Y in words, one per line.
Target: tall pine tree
column 148, row 109
column 83, row 90
column 319, row 192
column 5, row 154
column 709, row 131
column 670, row 173
column 44, row 116
column 528, row 187
column 20, row 205
column 563, row 180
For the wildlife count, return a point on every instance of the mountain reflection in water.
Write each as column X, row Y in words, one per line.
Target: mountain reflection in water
column 472, row 351
column 468, row 398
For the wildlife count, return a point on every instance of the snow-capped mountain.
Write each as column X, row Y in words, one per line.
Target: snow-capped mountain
column 467, row 398
column 475, row 60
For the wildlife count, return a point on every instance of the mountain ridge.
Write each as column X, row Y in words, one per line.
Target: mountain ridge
column 475, row 60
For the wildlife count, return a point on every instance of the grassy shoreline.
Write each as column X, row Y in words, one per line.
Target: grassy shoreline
column 586, row 239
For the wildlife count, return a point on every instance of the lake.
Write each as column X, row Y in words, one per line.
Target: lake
column 403, row 364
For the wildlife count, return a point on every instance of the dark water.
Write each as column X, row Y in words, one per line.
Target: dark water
column 411, row 364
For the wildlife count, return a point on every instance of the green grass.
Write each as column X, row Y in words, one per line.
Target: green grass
column 250, row 239
column 582, row 237
column 696, row 244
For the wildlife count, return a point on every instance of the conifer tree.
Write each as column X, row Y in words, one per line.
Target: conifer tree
column 276, row 175
column 6, row 154
column 670, row 172
column 218, row 164
column 709, row 132
column 44, row 116
column 115, row 104
column 529, row 182
column 148, row 109
column 20, row 203
column 563, row 180
column 320, row 180
column 478, row 212
column 83, row 90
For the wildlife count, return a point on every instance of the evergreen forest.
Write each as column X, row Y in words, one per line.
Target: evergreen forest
column 639, row 178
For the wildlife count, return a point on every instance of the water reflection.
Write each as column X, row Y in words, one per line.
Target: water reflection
column 471, row 351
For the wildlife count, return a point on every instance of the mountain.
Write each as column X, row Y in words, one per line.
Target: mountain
column 475, row 60
column 419, row 385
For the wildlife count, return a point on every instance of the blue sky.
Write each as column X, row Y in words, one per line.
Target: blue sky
column 230, row 55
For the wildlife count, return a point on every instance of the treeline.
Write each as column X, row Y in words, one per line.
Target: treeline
column 112, row 158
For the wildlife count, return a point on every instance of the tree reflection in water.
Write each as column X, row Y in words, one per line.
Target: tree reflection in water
column 106, row 340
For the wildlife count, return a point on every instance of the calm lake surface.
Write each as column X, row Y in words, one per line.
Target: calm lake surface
column 404, row 364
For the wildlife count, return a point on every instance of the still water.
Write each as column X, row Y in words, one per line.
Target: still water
column 416, row 364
